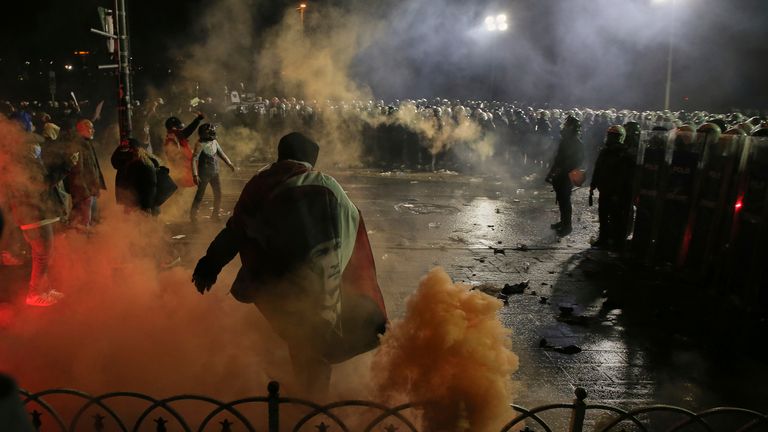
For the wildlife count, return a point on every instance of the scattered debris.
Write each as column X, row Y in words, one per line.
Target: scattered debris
column 433, row 225
column 543, row 300
column 578, row 320
column 568, row 349
column 179, row 237
column 566, row 310
column 522, row 247
column 498, row 251
column 458, row 239
column 488, row 288
column 517, row 288
column 534, row 293
column 497, row 211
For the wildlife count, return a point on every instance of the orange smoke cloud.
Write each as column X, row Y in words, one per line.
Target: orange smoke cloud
column 451, row 351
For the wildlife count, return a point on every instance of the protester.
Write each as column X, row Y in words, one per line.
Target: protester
column 136, row 179
column 86, row 180
column 178, row 154
column 13, row 418
column 205, row 170
column 35, row 207
column 306, row 262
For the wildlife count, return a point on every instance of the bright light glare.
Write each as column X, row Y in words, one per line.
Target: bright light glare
column 68, row 67
column 496, row 23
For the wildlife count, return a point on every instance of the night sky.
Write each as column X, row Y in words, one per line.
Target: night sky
column 588, row 57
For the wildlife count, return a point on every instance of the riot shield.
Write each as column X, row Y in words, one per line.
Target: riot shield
column 684, row 167
column 712, row 200
column 652, row 168
column 746, row 270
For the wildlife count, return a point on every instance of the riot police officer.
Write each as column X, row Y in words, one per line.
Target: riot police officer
column 612, row 178
column 569, row 157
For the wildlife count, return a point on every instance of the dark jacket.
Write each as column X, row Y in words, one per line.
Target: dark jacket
column 613, row 171
column 136, row 179
column 569, row 156
column 85, row 180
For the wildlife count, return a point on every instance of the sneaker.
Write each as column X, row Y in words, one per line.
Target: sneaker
column 556, row 225
column 564, row 230
column 48, row 298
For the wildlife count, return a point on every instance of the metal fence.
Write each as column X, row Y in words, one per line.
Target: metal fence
column 275, row 413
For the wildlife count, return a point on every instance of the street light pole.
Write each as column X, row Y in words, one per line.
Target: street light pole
column 494, row 24
column 302, row 7
column 670, row 54
column 126, row 91
column 668, row 88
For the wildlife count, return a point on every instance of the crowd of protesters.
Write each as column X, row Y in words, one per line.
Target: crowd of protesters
column 63, row 164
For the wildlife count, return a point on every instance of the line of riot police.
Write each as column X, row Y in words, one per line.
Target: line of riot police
column 699, row 199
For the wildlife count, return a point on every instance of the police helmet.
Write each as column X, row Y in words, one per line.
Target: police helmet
column 616, row 134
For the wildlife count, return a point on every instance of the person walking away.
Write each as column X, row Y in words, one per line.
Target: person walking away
column 569, row 157
column 205, row 170
column 306, row 263
column 136, row 179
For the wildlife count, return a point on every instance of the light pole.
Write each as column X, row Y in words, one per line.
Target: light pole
column 670, row 54
column 493, row 24
column 302, row 7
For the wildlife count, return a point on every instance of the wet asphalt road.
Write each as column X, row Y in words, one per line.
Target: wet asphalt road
column 491, row 230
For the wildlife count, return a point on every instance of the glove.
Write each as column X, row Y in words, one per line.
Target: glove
column 205, row 275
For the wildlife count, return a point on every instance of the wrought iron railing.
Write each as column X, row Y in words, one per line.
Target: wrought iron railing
column 165, row 415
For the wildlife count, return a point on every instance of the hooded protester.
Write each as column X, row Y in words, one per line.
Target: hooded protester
column 569, row 157
column 306, row 263
column 205, row 169
column 136, row 179
column 178, row 153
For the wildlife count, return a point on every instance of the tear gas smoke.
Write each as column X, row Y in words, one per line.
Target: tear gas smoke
column 451, row 351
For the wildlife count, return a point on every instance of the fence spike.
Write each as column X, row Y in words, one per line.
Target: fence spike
column 98, row 422
column 322, row 427
column 36, row 422
column 161, row 424
column 226, row 425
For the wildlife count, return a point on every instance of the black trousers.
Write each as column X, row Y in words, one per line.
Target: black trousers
column 563, row 189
